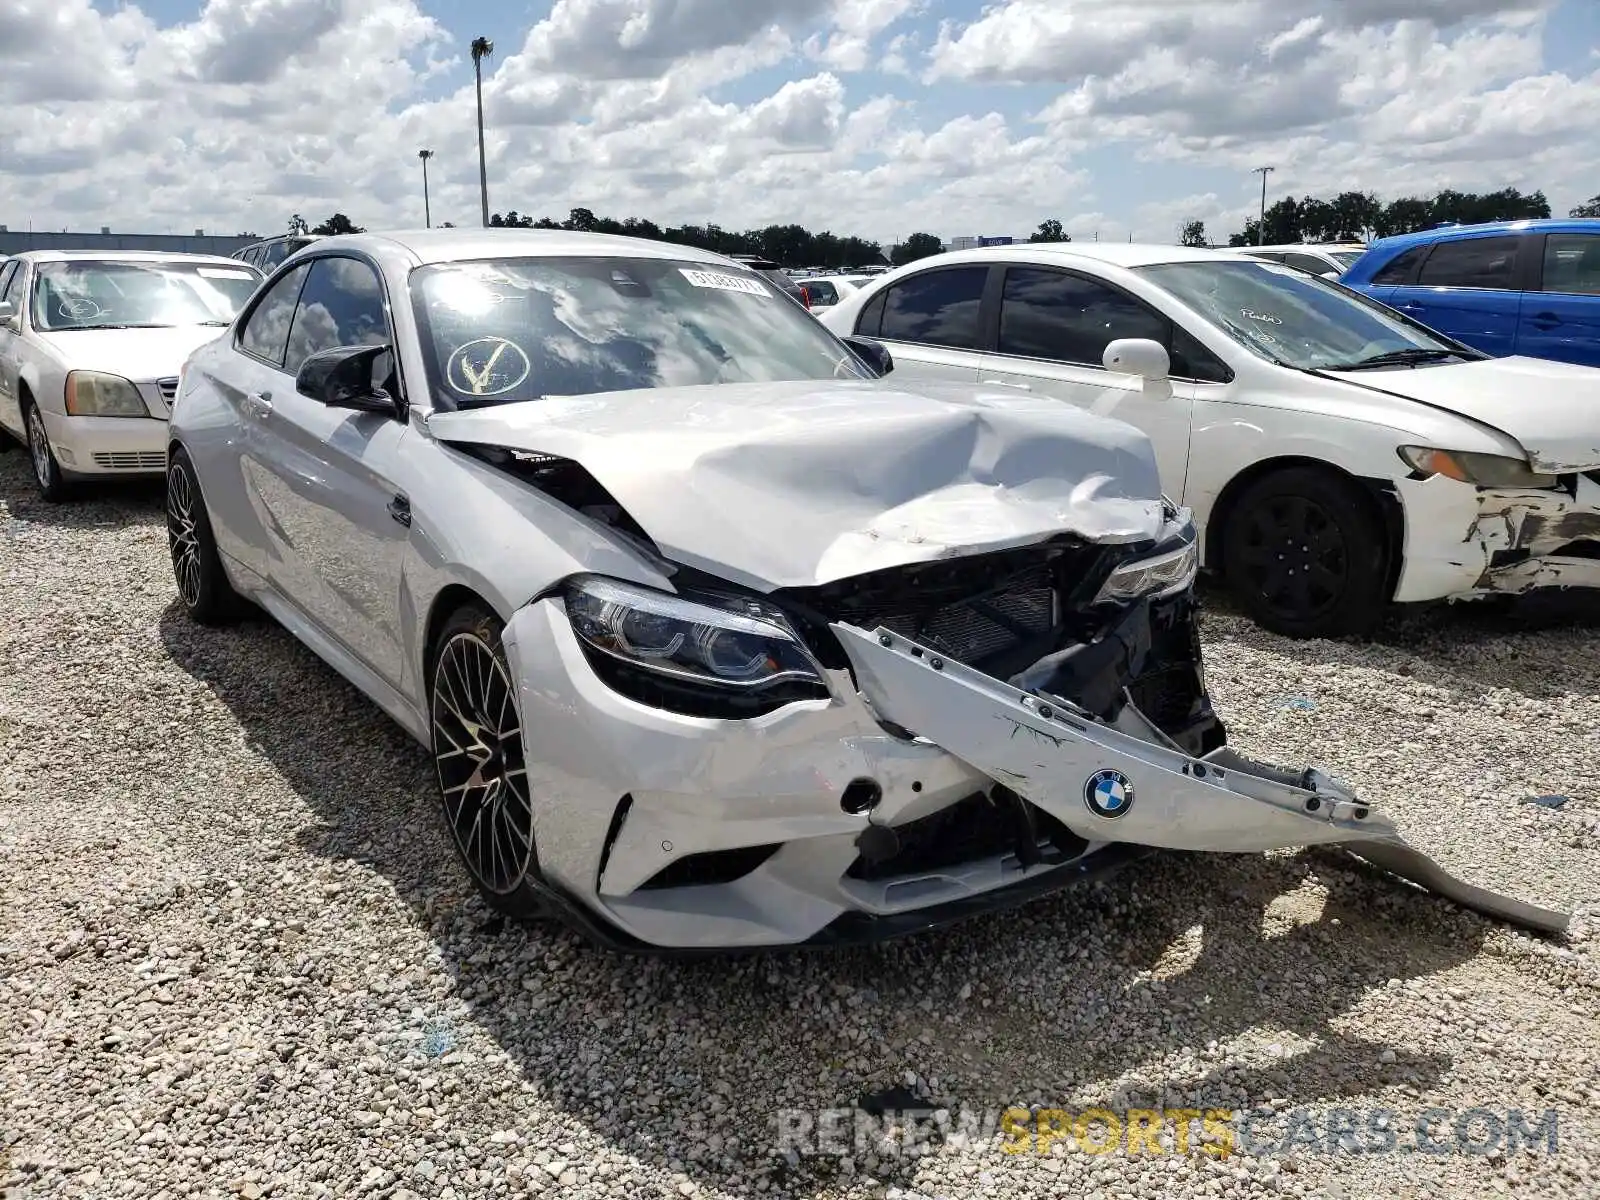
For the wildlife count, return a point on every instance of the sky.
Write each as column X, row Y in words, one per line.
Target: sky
column 877, row 118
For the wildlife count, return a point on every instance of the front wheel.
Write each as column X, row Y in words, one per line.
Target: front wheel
column 203, row 585
column 47, row 475
column 1304, row 554
column 477, row 754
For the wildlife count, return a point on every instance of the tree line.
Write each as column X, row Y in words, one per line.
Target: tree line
column 1349, row 216
column 1361, row 216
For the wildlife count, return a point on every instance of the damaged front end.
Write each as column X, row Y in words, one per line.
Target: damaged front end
column 1071, row 675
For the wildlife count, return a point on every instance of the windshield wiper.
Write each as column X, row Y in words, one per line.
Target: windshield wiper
column 1396, row 358
column 92, row 328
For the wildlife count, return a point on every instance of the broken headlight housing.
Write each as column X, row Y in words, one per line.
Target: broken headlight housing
column 1480, row 470
column 686, row 653
column 1170, row 569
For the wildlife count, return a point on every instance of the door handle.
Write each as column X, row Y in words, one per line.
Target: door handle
column 1006, row 383
column 1544, row 320
column 400, row 510
column 259, row 403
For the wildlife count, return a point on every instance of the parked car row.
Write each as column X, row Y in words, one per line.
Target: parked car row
column 722, row 630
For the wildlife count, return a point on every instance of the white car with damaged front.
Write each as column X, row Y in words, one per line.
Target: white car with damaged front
column 717, row 637
column 1338, row 456
column 91, row 344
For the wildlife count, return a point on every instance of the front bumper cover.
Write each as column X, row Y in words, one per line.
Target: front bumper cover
column 1130, row 784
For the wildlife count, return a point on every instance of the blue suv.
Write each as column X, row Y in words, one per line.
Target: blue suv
column 1508, row 287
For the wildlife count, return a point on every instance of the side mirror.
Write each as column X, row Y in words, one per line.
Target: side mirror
column 343, row 377
column 875, row 354
column 8, row 312
column 1138, row 356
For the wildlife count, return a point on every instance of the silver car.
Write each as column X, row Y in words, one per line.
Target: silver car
column 717, row 638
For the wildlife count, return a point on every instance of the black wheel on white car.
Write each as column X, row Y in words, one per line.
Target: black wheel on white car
column 47, row 475
column 478, row 758
column 1303, row 552
column 203, row 585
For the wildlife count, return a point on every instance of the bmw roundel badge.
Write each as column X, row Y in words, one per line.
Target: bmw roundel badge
column 1108, row 793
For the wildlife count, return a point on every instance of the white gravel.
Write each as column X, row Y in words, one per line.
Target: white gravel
column 237, row 957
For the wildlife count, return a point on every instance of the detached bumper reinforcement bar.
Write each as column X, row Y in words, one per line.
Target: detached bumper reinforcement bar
column 1130, row 784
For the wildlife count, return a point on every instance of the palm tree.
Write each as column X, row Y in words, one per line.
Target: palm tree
column 481, row 48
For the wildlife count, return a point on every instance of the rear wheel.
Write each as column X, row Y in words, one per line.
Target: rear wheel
column 477, row 754
column 203, row 585
column 47, row 475
column 1304, row 553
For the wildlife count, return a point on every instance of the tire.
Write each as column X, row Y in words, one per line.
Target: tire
column 478, row 761
column 47, row 476
column 1304, row 553
column 207, row 596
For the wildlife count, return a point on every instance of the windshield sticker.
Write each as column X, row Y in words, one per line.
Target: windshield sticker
column 725, row 283
column 81, row 310
column 222, row 273
column 489, row 366
column 1255, row 316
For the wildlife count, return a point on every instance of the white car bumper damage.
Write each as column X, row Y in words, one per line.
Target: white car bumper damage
column 923, row 791
column 1464, row 542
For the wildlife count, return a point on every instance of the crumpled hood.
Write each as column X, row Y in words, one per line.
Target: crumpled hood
column 1552, row 409
column 139, row 355
column 795, row 484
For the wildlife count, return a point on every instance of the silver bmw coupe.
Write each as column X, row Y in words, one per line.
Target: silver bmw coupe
column 717, row 637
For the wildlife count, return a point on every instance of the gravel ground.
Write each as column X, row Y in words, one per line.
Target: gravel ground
column 237, row 957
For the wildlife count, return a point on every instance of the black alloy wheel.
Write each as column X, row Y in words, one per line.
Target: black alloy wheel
column 477, row 754
column 1304, row 553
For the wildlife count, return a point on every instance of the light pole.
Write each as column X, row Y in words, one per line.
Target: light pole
column 481, row 48
column 1261, row 223
column 427, row 210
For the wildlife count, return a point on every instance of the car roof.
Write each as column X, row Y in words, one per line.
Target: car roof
column 44, row 256
column 453, row 245
column 1118, row 254
column 1422, row 237
column 1312, row 246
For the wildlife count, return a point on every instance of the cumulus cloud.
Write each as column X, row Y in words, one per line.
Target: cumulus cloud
column 871, row 116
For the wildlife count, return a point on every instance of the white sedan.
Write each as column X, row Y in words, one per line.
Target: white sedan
column 90, row 348
column 1338, row 456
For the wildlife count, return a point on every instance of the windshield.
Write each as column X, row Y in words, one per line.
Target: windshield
column 138, row 295
column 1298, row 320
column 516, row 329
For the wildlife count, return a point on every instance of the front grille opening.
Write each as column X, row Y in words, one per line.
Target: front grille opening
column 709, row 868
column 982, row 825
column 131, row 460
column 168, row 388
column 994, row 612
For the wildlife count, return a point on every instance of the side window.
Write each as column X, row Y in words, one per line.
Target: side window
column 1269, row 255
column 274, row 253
column 1572, row 263
column 266, row 330
column 8, row 276
column 1191, row 360
column 870, row 322
column 1308, row 263
column 821, row 293
column 1400, row 268
column 1489, row 262
column 341, row 305
column 1067, row 318
column 936, row 308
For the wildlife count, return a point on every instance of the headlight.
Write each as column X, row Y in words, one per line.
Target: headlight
column 1165, row 573
column 92, row 394
column 686, row 640
column 1481, row 470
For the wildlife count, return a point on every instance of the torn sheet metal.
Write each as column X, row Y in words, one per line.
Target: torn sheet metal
column 773, row 485
column 1128, row 784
